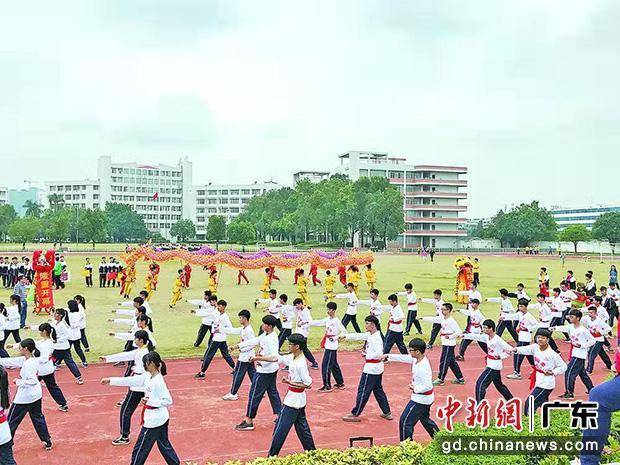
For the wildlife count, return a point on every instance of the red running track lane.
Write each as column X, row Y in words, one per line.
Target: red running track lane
column 202, row 424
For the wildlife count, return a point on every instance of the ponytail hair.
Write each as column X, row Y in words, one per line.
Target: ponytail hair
column 2, row 309
column 144, row 337
column 29, row 345
column 4, row 388
column 49, row 329
column 64, row 315
column 80, row 300
column 73, row 306
column 155, row 358
column 147, row 320
column 17, row 299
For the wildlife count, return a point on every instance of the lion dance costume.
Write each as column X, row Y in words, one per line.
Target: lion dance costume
column 464, row 279
column 43, row 266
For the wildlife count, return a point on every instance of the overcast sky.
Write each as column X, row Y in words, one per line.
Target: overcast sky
column 525, row 93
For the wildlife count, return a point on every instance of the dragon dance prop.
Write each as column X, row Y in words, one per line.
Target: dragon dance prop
column 464, row 279
column 207, row 256
column 43, row 266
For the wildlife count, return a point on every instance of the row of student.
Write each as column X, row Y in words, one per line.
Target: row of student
column 11, row 270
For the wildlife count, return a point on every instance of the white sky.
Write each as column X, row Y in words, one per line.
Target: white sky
column 523, row 92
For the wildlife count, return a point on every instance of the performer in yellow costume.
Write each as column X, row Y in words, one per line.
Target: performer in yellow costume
column 213, row 281
column 266, row 284
column 464, row 279
column 149, row 284
column 302, row 283
column 371, row 277
column 129, row 274
column 329, row 282
column 177, row 289
column 354, row 277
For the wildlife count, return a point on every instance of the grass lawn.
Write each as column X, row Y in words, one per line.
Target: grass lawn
column 175, row 330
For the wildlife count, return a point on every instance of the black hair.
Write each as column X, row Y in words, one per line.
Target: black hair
column 64, row 315
column 49, row 329
column 543, row 332
column 31, row 346
column 207, row 293
column 448, row 305
column 489, row 324
column 474, row 301
column 576, row 312
column 212, row 297
column 283, row 297
column 350, row 285
column 557, row 289
column 141, row 310
column 437, row 292
column 155, row 358
column 543, row 268
column 4, row 388
column 598, row 298
column 138, row 300
column 267, row 270
column 541, row 295
column 73, row 306
column 503, row 291
column 144, row 294
column 408, row 286
column 223, row 303
column 144, row 337
column 332, row 306
column 2, row 309
column 297, row 301
column 17, row 299
column 520, row 285
column 570, row 271
column 273, row 291
column 393, row 298
column 328, row 272
column 417, row 344
column 374, row 320
column 270, row 320
column 244, row 313
column 591, row 308
column 602, row 288
column 80, row 300
column 374, row 291
column 298, row 340
column 147, row 320
column 523, row 302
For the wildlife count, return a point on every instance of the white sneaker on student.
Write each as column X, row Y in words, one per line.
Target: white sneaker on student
column 230, row 396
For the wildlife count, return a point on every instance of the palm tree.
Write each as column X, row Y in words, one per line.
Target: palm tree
column 33, row 209
column 57, row 201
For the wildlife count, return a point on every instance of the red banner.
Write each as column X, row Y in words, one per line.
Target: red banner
column 44, row 295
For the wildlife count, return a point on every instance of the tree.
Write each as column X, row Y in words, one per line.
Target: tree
column 241, row 231
column 56, row 201
column 25, row 230
column 123, row 224
column 216, row 228
column 522, row 225
column 607, row 228
column 7, row 216
column 33, row 209
column 575, row 233
column 57, row 224
column 93, row 226
column 183, row 230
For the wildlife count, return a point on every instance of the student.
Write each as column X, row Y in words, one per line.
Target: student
column 548, row 365
column 29, row 395
column 342, row 275
column 608, row 301
column 371, row 276
column 302, row 291
column 287, row 315
column 155, row 405
column 505, row 308
column 3, row 352
column 103, row 272
column 412, row 309
column 329, row 282
column 273, row 307
column 475, row 319
column 244, row 364
column 375, row 307
column 571, row 281
column 545, row 316
column 372, row 374
column 598, row 329
column 88, row 273
column 4, row 271
column 581, row 341
column 422, row 397
column 62, row 346
column 134, row 395
column 350, row 315
column 303, row 318
column 438, row 302
column 74, row 319
column 333, row 329
column 450, row 331
column 12, row 316
column 520, row 293
column 266, row 373
column 140, row 301
column 590, row 285
column 394, row 333
column 21, row 289
column 6, row 438
column 177, row 289
column 498, row 349
column 526, row 325
column 294, row 404
column 266, row 286
column 354, row 277
column 543, row 277
column 476, row 269
column 208, row 312
column 81, row 301
column 567, row 297
column 220, row 323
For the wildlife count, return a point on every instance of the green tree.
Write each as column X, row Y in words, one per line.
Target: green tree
column 56, row 201
column 607, row 228
column 124, row 225
column 57, row 224
column 386, row 213
column 93, row 226
column 522, row 225
column 25, row 230
column 183, row 230
column 575, row 233
column 216, row 228
column 7, row 216
column 33, row 209
column 241, row 232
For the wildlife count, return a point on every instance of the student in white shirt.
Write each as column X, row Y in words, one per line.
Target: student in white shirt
column 526, row 327
column 498, row 349
column 6, row 438
column 473, row 293
column 135, row 393
column 273, row 307
column 74, row 317
column 520, row 293
column 12, row 316
column 598, row 329
column 287, row 315
column 438, row 302
column 474, row 326
column 372, row 374
column 505, row 307
column 206, row 310
column 350, row 315
column 294, row 405
column 581, row 341
column 567, row 297
column 266, row 373
column 609, row 302
column 333, row 329
column 82, row 306
column 545, row 316
column 220, row 323
column 303, row 318
column 143, row 302
column 47, row 369
column 394, row 333
column 412, row 309
column 549, row 364
column 29, row 395
column 450, row 331
column 62, row 346
column 155, row 402
column 422, row 396
column 244, row 364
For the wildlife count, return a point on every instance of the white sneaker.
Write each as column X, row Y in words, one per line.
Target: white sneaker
column 230, row 396
column 514, row 376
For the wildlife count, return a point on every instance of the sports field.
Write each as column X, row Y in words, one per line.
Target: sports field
column 175, row 330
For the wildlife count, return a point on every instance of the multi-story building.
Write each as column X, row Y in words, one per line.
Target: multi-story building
column 312, row 176
column 83, row 193
column 566, row 216
column 4, row 195
column 433, row 196
column 227, row 200
column 18, row 198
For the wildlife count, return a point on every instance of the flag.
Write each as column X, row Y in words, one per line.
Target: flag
column 156, row 196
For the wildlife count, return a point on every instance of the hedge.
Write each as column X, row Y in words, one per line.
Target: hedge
column 413, row 453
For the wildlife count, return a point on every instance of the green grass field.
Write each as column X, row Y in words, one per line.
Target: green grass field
column 176, row 329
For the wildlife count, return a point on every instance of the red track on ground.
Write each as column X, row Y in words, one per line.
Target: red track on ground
column 202, row 425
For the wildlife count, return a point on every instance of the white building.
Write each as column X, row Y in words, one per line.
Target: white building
column 587, row 216
column 312, row 176
column 4, row 195
column 83, row 193
column 433, row 197
column 227, row 200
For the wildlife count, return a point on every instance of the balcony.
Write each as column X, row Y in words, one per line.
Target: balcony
column 438, row 182
column 433, row 219
column 441, row 169
column 437, row 195
column 437, row 208
column 429, row 232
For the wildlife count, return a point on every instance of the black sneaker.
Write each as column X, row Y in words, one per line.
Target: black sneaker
column 325, row 389
column 199, row 375
column 48, row 445
column 567, row 395
column 121, row 441
column 87, row 349
column 339, row 386
column 244, row 426
column 315, row 366
column 406, row 333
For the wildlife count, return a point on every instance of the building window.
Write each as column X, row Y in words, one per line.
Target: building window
column 396, row 174
column 201, row 192
column 212, row 192
column 255, row 191
column 246, row 192
column 377, row 173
